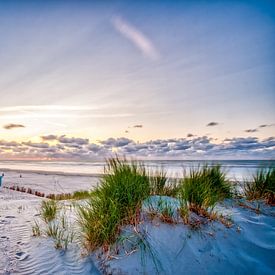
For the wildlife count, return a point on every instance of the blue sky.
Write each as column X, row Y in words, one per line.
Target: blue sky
column 95, row 70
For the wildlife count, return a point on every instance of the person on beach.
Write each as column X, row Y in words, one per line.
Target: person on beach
column 1, row 177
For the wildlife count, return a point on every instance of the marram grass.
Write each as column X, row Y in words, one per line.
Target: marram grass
column 116, row 202
column 203, row 188
column 48, row 210
column 262, row 186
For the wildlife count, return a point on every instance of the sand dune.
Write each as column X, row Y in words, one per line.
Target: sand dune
column 246, row 248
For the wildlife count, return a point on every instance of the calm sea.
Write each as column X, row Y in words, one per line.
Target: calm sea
column 236, row 169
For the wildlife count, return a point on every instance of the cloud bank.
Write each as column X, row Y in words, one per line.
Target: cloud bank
column 75, row 148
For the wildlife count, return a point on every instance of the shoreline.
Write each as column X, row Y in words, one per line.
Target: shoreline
column 48, row 173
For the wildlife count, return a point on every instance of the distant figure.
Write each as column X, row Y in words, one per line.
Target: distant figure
column 20, row 176
column 1, row 177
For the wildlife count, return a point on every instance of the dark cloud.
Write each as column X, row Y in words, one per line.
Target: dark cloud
column 138, row 126
column 266, row 125
column 49, row 137
column 13, row 126
column 79, row 141
column 116, row 142
column 212, row 124
column 9, row 143
column 36, row 145
column 251, row 130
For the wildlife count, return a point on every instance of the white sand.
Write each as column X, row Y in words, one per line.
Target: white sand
column 20, row 253
column 246, row 248
column 48, row 182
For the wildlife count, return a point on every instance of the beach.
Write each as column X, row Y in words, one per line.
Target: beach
column 248, row 247
column 245, row 247
column 63, row 177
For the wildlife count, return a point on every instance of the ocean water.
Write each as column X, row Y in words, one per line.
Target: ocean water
column 235, row 169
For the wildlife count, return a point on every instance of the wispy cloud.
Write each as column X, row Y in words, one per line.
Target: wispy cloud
column 13, row 126
column 25, row 108
column 140, row 40
column 58, row 111
column 47, row 115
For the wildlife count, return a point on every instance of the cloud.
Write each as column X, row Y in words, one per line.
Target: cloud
column 13, row 126
column 75, row 148
column 49, row 137
column 9, row 143
column 251, row 130
column 138, row 126
column 212, row 124
column 36, row 145
column 79, row 141
column 118, row 142
column 142, row 42
column 266, row 125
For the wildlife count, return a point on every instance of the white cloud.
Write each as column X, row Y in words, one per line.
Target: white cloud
column 141, row 41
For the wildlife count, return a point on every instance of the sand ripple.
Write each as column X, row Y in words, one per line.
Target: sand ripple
column 20, row 253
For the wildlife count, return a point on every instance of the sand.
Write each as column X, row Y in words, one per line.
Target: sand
column 20, row 253
column 248, row 247
column 48, row 182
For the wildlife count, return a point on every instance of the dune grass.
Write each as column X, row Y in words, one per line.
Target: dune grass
column 116, row 202
column 36, row 230
column 48, row 210
column 262, row 186
column 203, row 188
column 125, row 185
column 162, row 185
column 77, row 195
column 54, row 223
column 158, row 181
column 60, row 232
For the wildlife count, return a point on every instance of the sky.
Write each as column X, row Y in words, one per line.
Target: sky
column 151, row 79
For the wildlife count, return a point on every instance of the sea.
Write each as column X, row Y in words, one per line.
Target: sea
column 235, row 169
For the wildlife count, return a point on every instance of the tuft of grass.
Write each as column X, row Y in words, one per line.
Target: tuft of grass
column 81, row 195
column 60, row 233
column 36, row 231
column 262, row 186
column 48, row 210
column 217, row 180
column 184, row 211
column 158, row 181
column 163, row 209
column 116, row 202
column 166, row 212
column 77, row 195
column 202, row 189
column 55, row 224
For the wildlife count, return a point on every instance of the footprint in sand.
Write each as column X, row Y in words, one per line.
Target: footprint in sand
column 21, row 256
